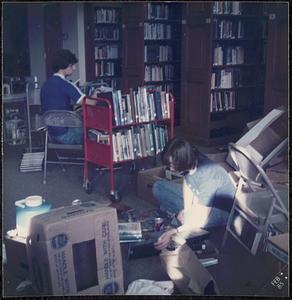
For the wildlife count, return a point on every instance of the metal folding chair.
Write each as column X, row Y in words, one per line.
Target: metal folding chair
column 257, row 204
column 61, row 118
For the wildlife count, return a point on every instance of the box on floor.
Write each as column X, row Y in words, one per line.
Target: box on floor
column 146, row 179
column 17, row 261
column 75, row 250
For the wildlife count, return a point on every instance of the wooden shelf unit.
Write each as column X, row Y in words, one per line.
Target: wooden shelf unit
column 223, row 69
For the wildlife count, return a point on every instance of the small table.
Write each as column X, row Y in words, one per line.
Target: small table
column 15, row 102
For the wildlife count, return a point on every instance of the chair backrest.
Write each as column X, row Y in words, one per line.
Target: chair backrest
column 62, row 118
column 249, row 170
column 252, row 173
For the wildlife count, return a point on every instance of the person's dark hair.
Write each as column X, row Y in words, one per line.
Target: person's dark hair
column 183, row 156
column 62, row 59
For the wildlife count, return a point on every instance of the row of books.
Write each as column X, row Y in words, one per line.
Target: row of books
column 106, row 52
column 225, row 79
column 157, row 31
column 156, row 53
column 139, row 141
column 109, row 82
column 135, row 142
column 227, row 29
column 167, row 87
column 106, row 15
column 228, row 55
column 159, row 73
column 105, row 68
column 138, row 106
column 227, row 7
column 223, row 101
column 157, row 11
column 106, row 33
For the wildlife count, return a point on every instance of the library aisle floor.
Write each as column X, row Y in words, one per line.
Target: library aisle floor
column 237, row 273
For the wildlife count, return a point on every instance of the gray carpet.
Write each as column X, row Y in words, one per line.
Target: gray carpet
column 237, row 273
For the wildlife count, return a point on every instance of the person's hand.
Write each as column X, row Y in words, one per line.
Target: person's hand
column 90, row 101
column 164, row 239
column 95, row 93
column 180, row 216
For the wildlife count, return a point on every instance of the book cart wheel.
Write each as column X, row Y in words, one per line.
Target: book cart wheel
column 87, row 186
column 115, row 196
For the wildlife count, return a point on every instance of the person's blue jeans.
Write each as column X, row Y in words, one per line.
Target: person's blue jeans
column 169, row 195
column 74, row 136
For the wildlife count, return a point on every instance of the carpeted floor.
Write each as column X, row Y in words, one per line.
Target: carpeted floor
column 237, row 273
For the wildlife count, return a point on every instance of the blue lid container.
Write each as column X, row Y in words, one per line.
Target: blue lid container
column 26, row 209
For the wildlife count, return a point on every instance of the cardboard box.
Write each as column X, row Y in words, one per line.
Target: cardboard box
column 278, row 246
column 76, row 251
column 17, row 261
column 146, row 179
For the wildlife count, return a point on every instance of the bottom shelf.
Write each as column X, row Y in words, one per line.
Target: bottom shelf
column 223, row 132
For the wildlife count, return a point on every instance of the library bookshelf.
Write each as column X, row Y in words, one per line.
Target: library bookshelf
column 124, row 128
column 162, row 45
column 103, row 37
column 223, row 87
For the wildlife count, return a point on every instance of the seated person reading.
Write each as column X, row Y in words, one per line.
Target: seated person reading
column 57, row 93
column 205, row 198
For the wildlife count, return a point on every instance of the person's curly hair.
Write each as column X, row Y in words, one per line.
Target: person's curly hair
column 62, row 59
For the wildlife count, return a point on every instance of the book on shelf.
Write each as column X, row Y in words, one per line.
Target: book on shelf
column 98, row 136
column 157, row 11
column 228, row 55
column 139, row 141
column 106, row 15
column 223, row 101
column 106, row 52
column 228, row 29
column 227, row 7
column 106, row 34
column 226, row 78
column 157, row 31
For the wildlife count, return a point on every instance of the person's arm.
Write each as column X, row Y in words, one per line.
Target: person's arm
column 195, row 215
column 73, row 92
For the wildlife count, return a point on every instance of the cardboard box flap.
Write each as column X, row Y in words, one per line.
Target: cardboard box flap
column 45, row 223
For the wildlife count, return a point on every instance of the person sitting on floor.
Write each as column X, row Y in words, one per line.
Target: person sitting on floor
column 206, row 196
column 58, row 92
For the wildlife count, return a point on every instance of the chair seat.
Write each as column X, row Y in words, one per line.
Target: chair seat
column 65, row 147
column 256, row 205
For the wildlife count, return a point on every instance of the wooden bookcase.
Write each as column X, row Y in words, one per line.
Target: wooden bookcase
column 243, row 44
column 223, row 69
column 151, row 48
column 104, row 43
column 123, row 128
column 162, row 45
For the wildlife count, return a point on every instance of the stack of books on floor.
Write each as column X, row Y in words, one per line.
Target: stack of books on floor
column 130, row 232
column 32, row 162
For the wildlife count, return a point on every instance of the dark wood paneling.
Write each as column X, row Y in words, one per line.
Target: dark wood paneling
column 276, row 88
column 89, row 41
column 196, row 49
column 133, row 46
column 52, row 33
